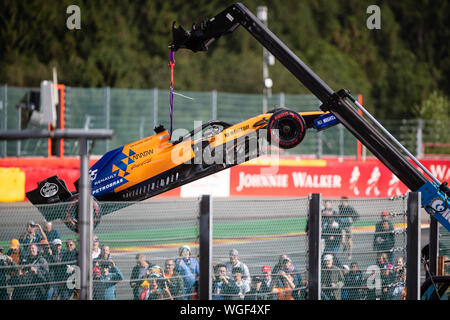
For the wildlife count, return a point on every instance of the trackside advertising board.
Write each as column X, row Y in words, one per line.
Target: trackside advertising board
column 286, row 177
column 332, row 179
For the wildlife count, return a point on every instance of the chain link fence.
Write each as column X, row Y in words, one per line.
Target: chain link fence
column 133, row 114
column 264, row 239
column 131, row 248
column 260, row 250
column 364, row 249
column 444, row 248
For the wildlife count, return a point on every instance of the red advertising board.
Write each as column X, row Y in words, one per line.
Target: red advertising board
column 334, row 179
column 286, row 177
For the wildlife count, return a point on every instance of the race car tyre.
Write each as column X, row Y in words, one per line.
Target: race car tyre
column 286, row 128
column 71, row 215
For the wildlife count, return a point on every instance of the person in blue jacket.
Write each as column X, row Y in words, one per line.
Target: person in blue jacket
column 189, row 270
column 105, row 285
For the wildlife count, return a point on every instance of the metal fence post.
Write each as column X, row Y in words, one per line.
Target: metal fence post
column 19, row 127
column 155, row 107
column 314, row 237
column 4, row 117
column 282, row 99
column 214, row 104
column 341, row 140
column 434, row 246
column 319, row 145
column 141, row 128
column 205, row 247
column 85, row 224
column 413, row 247
column 419, row 139
column 107, row 97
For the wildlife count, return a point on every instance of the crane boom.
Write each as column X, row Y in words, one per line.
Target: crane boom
column 434, row 194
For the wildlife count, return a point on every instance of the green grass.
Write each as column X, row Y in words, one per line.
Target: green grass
column 240, row 229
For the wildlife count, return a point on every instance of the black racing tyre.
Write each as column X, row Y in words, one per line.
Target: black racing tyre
column 286, row 128
column 71, row 215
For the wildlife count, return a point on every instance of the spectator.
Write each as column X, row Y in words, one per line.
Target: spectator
column 57, row 268
column 348, row 215
column 189, row 269
column 138, row 273
column 155, row 288
column 382, row 260
column 387, row 279
column 255, row 292
column 95, row 247
column 328, row 209
column 47, row 254
column 35, row 273
column 267, row 282
column 32, row 235
column 399, row 286
column 301, row 291
column 110, row 276
column 51, row 232
column 243, row 286
column 174, row 281
column 97, row 286
column 425, row 259
column 344, row 291
column 223, row 287
column 15, row 251
column 234, row 262
column 331, row 231
column 71, row 253
column 144, row 290
column 353, row 281
column 6, row 264
column 384, row 217
column 384, row 240
column 399, row 266
column 104, row 256
column 288, row 267
column 19, row 283
column 69, row 258
column 283, row 286
column 155, row 269
column 332, row 279
column 280, row 264
column 373, row 283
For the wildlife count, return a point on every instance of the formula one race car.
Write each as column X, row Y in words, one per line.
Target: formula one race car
column 153, row 165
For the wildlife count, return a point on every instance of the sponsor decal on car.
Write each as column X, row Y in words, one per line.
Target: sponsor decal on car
column 49, row 190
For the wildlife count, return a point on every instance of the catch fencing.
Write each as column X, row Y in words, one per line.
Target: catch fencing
column 143, row 240
column 133, row 113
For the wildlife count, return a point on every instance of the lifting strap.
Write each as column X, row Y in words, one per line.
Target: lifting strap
column 171, row 65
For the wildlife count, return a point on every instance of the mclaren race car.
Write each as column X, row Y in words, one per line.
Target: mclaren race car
column 155, row 164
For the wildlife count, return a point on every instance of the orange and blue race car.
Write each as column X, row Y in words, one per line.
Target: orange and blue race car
column 155, row 164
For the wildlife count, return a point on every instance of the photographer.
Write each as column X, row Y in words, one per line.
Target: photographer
column 223, row 287
column 33, row 272
column 33, row 234
column 174, row 281
column 189, row 270
column 104, row 256
column 5, row 270
column 110, row 276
